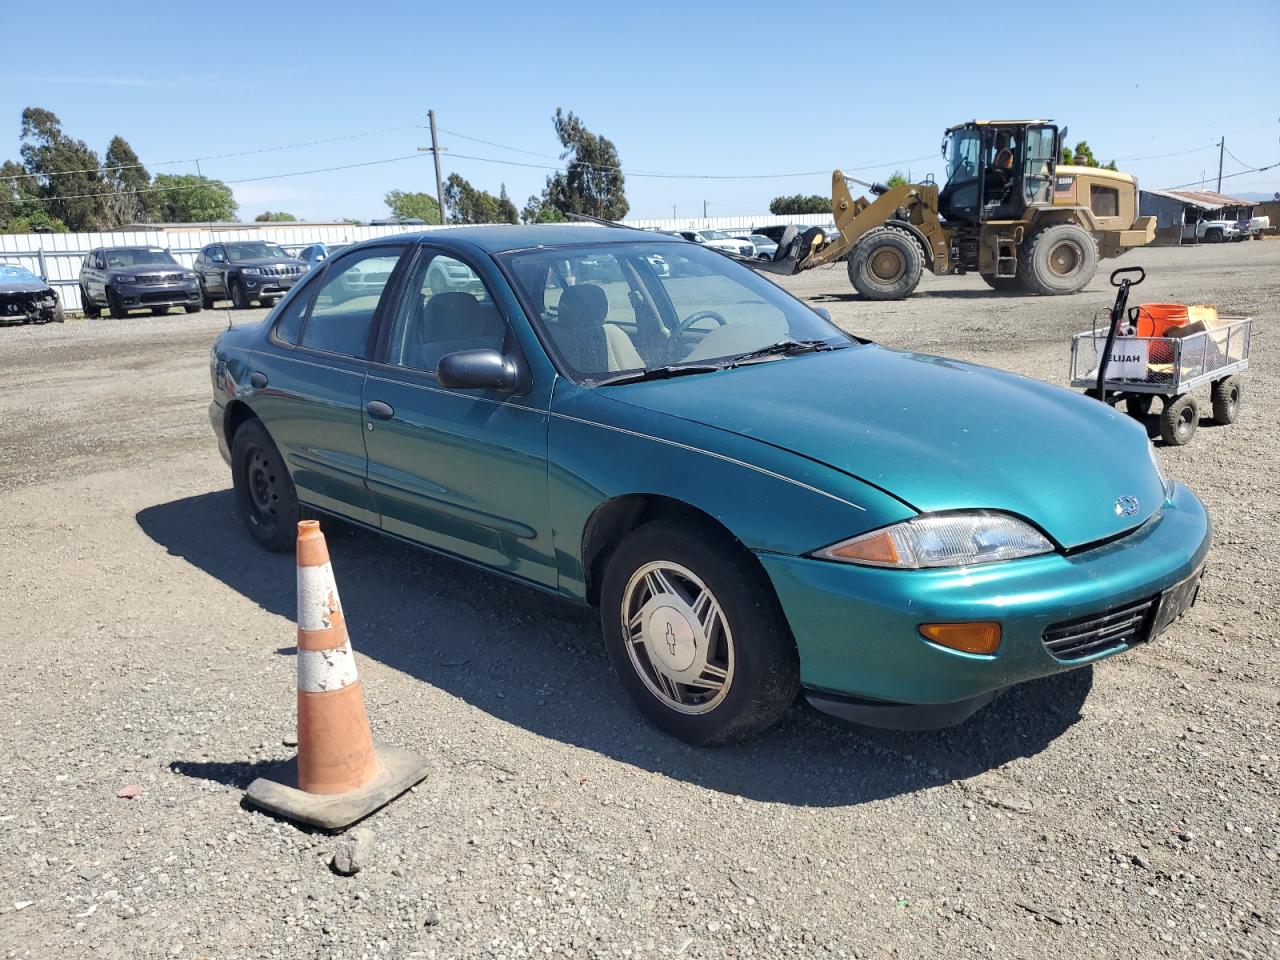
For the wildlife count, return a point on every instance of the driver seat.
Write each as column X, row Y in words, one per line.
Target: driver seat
column 588, row 342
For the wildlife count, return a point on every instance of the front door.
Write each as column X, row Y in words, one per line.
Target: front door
column 461, row 470
column 332, row 334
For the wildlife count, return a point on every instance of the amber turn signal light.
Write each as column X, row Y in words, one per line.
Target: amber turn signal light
column 982, row 637
column 876, row 548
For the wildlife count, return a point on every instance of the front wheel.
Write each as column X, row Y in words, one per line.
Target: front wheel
column 264, row 490
column 117, row 309
column 206, row 300
column 159, row 311
column 1003, row 284
column 1179, row 419
column 191, row 307
column 886, row 264
column 239, row 299
column 696, row 635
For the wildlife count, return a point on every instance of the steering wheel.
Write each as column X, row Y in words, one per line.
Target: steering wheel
column 683, row 326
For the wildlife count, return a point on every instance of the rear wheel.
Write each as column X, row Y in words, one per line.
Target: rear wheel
column 1225, row 396
column 239, row 299
column 886, row 264
column 91, row 309
column 695, row 633
column 1179, row 419
column 264, row 490
column 1138, row 405
column 1060, row 259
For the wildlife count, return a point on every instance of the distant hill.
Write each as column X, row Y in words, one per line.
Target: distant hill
column 1255, row 197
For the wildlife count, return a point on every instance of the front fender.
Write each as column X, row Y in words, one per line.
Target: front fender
column 771, row 500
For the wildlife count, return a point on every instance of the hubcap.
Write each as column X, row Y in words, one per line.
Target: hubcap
column 261, row 484
column 1065, row 258
column 888, row 264
column 1184, row 421
column 678, row 639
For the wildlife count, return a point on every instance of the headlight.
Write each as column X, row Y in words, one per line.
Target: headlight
column 250, row 271
column 1165, row 483
column 942, row 540
column 121, row 278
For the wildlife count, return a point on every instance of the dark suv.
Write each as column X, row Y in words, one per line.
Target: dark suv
column 246, row 270
column 121, row 279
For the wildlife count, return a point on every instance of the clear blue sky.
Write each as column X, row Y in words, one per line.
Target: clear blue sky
column 688, row 88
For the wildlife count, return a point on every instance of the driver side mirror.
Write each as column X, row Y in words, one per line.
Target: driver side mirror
column 823, row 312
column 478, row 370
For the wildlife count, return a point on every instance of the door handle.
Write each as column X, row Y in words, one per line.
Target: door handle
column 379, row 410
column 257, row 380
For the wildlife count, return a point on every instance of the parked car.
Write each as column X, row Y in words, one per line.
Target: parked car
column 121, row 279
column 764, row 247
column 773, row 232
column 1217, row 231
column 25, row 298
column 757, row 502
column 317, row 253
column 719, row 240
column 1255, row 227
column 243, row 271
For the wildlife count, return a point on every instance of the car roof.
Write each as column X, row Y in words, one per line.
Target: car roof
column 501, row 239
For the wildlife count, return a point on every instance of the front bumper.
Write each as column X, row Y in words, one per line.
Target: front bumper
column 19, row 308
column 217, row 419
column 856, row 628
column 138, row 295
column 260, row 286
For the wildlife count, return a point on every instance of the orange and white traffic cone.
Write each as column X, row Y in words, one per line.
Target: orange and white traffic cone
column 339, row 775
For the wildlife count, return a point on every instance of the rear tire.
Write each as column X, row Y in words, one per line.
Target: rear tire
column 1225, row 396
column 1060, row 259
column 264, row 490
column 90, row 309
column 886, row 264
column 1179, row 419
column 191, row 307
column 739, row 664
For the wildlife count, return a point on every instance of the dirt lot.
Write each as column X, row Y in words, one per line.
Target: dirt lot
column 1126, row 811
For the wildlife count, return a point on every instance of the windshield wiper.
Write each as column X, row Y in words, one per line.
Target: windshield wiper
column 660, row 373
column 783, row 348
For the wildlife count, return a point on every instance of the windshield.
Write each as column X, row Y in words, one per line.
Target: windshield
column 611, row 308
column 17, row 275
column 714, row 235
column 133, row 258
column 255, row 251
column 759, row 238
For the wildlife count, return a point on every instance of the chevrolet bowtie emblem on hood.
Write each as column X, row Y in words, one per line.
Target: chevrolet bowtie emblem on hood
column 1126, row 506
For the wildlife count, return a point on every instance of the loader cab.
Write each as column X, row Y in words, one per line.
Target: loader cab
column 997, row 169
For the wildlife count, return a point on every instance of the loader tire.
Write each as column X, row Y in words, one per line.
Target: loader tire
column 1059, row 259
column 1003, row 284
column 886, row 264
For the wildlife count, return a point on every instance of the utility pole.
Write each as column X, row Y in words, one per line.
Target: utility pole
column 704, row 209
column 673, row 211
column 1222, row 146
column 435, row 150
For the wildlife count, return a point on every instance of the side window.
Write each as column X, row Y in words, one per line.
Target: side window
column 341, row 319
column 446, row 309
column 289, row 322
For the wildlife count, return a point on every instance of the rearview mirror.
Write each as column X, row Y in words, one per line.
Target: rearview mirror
column 478, row 370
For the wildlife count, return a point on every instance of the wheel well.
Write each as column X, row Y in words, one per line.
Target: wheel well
column 237, row 413
column 615, row 518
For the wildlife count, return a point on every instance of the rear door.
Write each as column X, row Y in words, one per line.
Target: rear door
column 461, row 470
column 310, row 392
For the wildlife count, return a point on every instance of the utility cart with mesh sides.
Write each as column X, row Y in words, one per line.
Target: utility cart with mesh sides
column 1113, row 366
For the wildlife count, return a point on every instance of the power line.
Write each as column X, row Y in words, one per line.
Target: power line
column 1161, row 156
column 216, row 156
column 1235, row 158
column 1228, row 176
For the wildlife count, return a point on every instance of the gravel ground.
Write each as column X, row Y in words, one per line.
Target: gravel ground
column 1124, row 811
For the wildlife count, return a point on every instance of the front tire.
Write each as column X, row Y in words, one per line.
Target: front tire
column 191, row 307
column 239, row 299
column 696, row 635
column 886, row 264
column 118, row 312
column 1060, row 259
column 159, row 311
column 1003, row 284
column 264, row 490
column 206, row 300
column 1179, row 420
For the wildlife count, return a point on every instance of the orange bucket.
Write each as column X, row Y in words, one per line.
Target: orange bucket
column 1155, row 319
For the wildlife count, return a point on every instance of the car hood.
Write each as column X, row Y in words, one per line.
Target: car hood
column 937, row 434
column 150, row 269
column 269, row 262
column 24, row 286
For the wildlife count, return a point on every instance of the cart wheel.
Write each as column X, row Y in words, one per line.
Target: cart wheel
column 1138, row 405
column 1179, row 419
column 1226, row 400
column 1108, row 398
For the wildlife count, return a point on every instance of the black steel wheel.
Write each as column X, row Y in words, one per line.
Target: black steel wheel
column 1179, row 419
column 1225, row 397
column 264, row 490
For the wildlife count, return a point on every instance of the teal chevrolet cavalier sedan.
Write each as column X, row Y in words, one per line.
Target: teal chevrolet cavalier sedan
column 758, row 503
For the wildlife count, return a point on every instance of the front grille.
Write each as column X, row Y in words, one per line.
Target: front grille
column 151, row 279
column 284, row 271
column 1097, row 632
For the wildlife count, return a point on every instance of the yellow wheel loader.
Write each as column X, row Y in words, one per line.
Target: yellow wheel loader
column 1008, row 211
